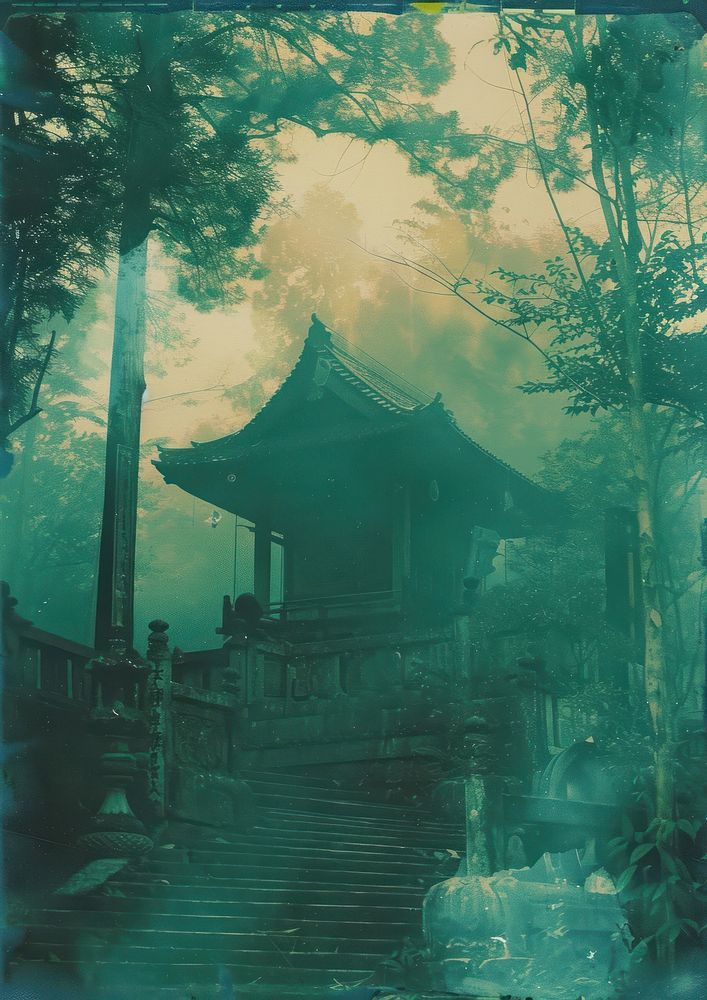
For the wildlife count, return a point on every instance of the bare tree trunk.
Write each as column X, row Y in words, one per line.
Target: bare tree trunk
column 147, row 153
column 116, row 565
column 656, row 681
column 626, row 256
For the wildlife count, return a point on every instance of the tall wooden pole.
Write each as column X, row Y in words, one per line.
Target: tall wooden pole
column 116, row 565
column 147, row 102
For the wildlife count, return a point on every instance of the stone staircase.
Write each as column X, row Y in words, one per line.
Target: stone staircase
column 308, row 903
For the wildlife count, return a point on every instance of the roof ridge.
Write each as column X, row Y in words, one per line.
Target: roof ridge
column 378, row 383
column 506, row 465
column 387, row 384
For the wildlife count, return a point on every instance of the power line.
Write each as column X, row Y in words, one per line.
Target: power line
column 187, row 392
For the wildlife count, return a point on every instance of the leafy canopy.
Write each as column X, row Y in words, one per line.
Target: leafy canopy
column 223, row 99
column 58, row 205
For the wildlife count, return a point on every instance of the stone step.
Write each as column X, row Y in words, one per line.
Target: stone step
column 326, row 886
column 378, row 912
column 343, row 841
column 217, row 991
column 333, row 805
column 283, row 787
column 307, row 858
column 268, row 882
column 27, row 981
column 327, row 926
column 313, row 846
column 422, row 823
column 375, row 833
column 235, row 895
column 297, row 779
column 171, row 869
column 144, row 974
column 264, row 956
column 332, row 792
column 205, row 941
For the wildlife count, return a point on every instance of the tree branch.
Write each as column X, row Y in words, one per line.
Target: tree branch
column 34, row 408
column 453, row 289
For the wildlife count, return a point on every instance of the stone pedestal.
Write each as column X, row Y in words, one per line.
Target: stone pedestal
column 552, row 931
column 115, row 831
column 117, row 720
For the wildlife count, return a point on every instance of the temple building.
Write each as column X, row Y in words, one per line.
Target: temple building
column 366, row 498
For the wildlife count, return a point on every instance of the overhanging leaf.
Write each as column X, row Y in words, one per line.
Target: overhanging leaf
column 626, row 877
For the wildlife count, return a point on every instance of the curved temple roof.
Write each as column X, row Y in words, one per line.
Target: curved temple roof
column 388, row 401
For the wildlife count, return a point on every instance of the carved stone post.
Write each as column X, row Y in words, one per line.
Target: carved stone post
column 244, row 675
column 494, row 740
column 159, row 691
column 479, row 750
column 478, row 853
column 116, row 720
column 462, row 646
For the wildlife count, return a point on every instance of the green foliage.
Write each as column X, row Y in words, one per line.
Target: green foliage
column 555, row 591
column 586, row 351
column 657, row 882
column 188, row 165
column 610, row 107
column 50, row 518
column 180, row 135
column 639, row 72
column 58, row 208
column 50, row 506
column 231, row 88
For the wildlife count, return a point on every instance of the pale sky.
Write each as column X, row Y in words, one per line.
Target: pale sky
column 382, row 192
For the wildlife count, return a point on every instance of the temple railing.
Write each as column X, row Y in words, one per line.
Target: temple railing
column 77, row 741
column 261, row 701
column 194, row 723
column 40, row 661
column 336, row 606
column 45, row 707
column 274, row 678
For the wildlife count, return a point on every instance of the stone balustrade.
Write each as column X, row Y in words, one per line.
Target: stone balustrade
column 192, row 723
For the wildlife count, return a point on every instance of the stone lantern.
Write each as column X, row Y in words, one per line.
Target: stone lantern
column 117, row 721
